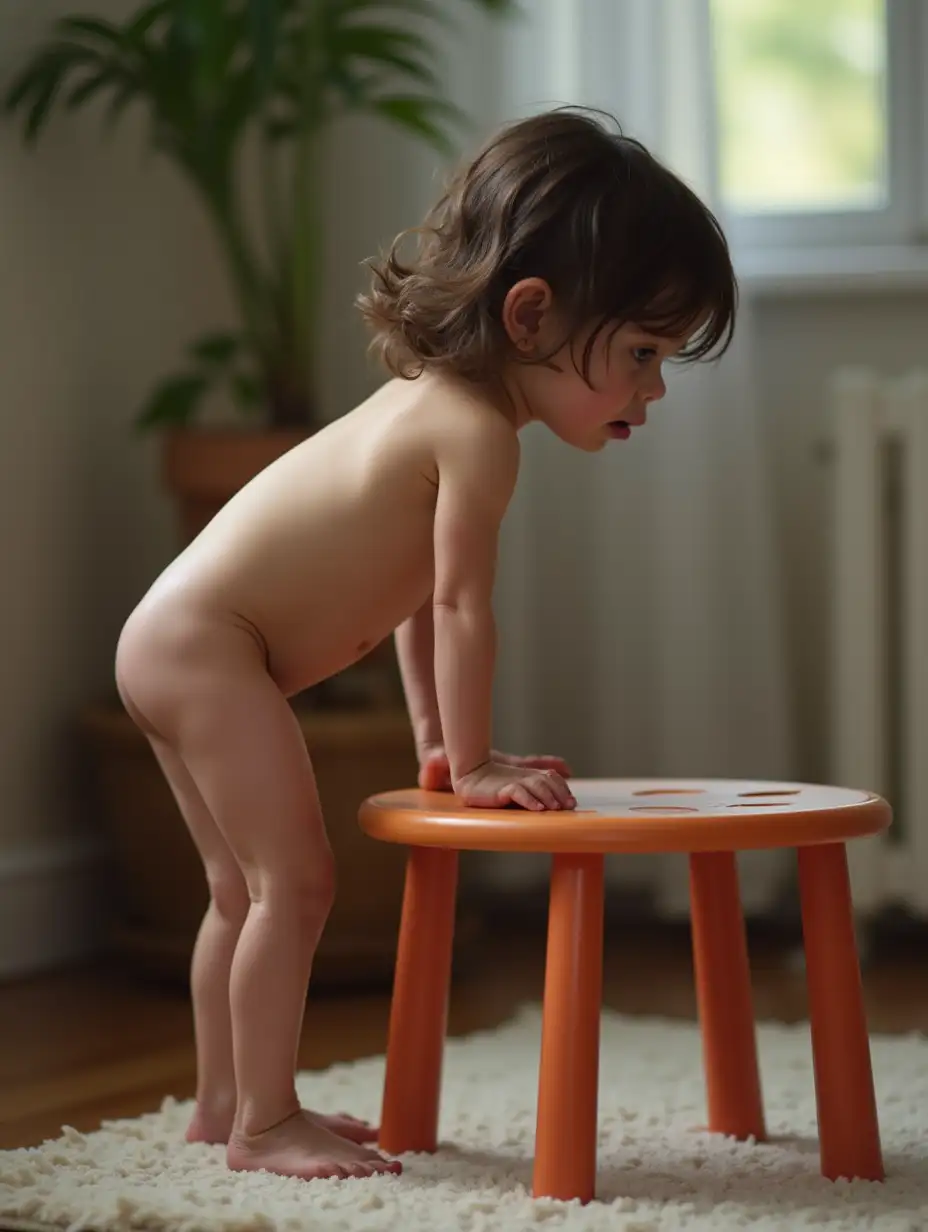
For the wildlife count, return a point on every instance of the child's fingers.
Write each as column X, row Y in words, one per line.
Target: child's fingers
column 549, row 787
column 545, row 790
column 519, row 794
column 566, row 797
column 542, row 788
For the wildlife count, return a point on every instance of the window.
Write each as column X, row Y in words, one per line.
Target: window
column 802, row 111
column 820, row 119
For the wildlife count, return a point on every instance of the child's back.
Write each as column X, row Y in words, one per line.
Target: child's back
column 331, row 547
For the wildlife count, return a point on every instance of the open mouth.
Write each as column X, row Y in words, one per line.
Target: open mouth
column 620, row 429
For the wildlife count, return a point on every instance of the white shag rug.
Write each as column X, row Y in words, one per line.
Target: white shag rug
column 658, row 1170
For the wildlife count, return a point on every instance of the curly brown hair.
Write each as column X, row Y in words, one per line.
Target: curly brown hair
column 616, row 235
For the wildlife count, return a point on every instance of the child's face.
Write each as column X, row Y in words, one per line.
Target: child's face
column 624, row 379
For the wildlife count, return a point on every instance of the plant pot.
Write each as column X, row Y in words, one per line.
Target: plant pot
column 204, row 467
column 159, row 887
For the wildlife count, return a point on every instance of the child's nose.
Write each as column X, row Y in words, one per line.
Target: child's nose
column 656, row 389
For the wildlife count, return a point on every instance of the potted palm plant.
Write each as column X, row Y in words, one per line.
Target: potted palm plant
column 216, row 78
column 222, row 80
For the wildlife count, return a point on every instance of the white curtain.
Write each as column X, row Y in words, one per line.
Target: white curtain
column 640, row 598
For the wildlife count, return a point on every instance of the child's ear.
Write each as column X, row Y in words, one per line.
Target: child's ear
column 525, row 308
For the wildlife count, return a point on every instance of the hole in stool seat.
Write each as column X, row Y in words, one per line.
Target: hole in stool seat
column 670, row 791
column 656, row 808
column 761, row 804
column 790, row 792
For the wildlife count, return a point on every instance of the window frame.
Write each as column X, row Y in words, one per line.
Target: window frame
column 904, row 219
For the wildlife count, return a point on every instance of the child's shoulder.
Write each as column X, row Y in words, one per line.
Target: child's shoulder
column 476, row 447
column 460, row 417
column 443, row 413
column 443, row 429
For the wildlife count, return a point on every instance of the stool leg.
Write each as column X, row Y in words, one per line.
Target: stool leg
column 849, row 1133
column 723, row 991
column 419, row 1009
column 565, row 1140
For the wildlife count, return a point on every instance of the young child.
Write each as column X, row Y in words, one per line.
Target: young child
column 558, row 272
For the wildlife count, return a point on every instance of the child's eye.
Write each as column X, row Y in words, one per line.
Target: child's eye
column 641, row 355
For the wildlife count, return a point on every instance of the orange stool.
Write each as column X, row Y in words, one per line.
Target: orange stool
column 711, row 820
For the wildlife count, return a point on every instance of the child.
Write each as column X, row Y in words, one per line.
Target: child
column 557, row 273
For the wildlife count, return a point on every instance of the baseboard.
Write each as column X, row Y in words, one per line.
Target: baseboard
column 50, row 906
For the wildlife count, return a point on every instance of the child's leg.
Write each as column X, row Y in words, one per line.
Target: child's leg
column 212, row 964
column 212, row 955
column 243, row 747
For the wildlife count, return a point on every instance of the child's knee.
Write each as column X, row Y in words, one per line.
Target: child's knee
column 229, row 894
column 304, row 889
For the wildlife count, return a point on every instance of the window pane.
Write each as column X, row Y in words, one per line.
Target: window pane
column 801, row 90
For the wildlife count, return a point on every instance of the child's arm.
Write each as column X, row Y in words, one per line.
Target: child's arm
column 476, row 478
column 477, row 472
column 415, row 652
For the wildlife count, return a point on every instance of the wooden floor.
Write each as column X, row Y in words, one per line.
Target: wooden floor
column 85, row 1045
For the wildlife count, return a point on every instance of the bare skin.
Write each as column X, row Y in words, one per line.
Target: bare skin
column 302, row 1148
column 214, row 1124
column 385, row 521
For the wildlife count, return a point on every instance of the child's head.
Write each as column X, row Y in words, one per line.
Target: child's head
column 566, row 263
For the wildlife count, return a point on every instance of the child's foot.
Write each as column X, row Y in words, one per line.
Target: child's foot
column 214, row 1125
column 211, row 1123
column 301, row 1147
column 346, row 1126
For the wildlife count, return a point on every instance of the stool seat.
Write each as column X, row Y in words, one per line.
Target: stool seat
column 710, row 820
column 636, row 815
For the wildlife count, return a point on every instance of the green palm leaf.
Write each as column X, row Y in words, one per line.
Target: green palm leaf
column 120, row 100
column 174, row 402
column 39, row 85
column 380, row 45
column 425, row 117
column 92, row 29
column 217, row 349
column 264, row 27
column 92, row 86
column 211, row 72
column 419, row 8
column 139, row 27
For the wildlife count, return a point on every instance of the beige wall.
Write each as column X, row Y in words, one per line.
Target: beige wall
column 105, row 269
column 803, row 338
column 96, row 298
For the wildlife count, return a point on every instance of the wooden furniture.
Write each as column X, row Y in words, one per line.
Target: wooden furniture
column 711, row 820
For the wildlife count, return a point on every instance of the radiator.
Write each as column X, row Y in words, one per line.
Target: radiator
column 879, row 622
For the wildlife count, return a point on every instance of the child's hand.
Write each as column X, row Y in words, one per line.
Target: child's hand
column 498, row 784
column 435, row 769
